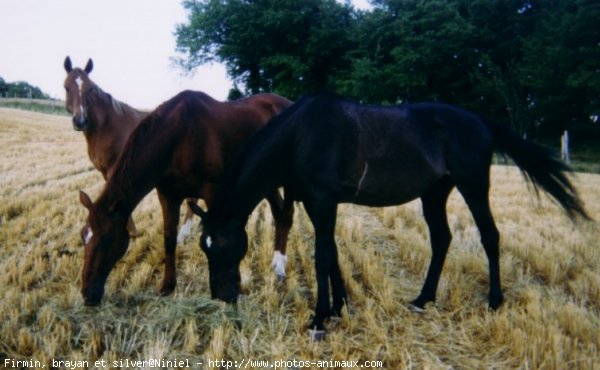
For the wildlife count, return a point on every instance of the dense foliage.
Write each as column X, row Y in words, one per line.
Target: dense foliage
column 532, row 63
column 20, row 90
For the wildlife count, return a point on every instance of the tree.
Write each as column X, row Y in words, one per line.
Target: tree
column 286, row 46
column 532, row 63
column 561, row 66
column 21, row 89
column 501, row 28
column 414, row 50
column 3, row 87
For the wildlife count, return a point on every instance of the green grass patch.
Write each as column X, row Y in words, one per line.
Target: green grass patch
column 48, row 107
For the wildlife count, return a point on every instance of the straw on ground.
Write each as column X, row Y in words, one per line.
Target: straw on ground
column 550, row 269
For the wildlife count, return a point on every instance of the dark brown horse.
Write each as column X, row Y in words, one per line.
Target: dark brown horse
column 105, row 122
column 182, row 150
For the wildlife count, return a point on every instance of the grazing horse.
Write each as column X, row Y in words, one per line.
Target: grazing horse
column 106, row 124
column 326, row 150
column 182, row 150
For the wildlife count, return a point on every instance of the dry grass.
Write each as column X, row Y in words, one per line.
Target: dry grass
column 550, row 269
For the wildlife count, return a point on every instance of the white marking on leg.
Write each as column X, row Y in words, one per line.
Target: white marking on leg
column 362, row 178
column 185, row 231
column 278, row 263
column 414, row 309
column 208, row 242
column 316, row 335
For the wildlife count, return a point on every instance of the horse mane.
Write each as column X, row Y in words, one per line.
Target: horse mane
column 116, row 105
column 107, row 99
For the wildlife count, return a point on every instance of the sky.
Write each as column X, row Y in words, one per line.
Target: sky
column 131, row 43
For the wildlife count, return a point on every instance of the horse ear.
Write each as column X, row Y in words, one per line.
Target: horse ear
column 68, row 66
column 89, row 66
column 85, row 200
column 196, row 209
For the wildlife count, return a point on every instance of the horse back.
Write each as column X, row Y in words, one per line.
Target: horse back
column 265, row 105
column 383, row 155
column 207, row 134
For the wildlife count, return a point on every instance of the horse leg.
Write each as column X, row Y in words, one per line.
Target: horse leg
column 208, row 193
column 188, row 220
column 323, row 217
column 434, row 210
column 170, row 209
column 478, row 202
column 338, row 290
column 283, row 215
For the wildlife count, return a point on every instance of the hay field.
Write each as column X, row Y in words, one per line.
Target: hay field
column 550, row 270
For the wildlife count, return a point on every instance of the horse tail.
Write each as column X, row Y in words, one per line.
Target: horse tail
column 540, row 168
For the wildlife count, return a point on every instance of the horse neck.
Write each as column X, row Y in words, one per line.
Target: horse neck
column 255, row 174
column 143, row 160
column 112, row 117
column 119, row 194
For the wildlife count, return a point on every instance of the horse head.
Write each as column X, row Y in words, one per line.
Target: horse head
column 77, row 87
column 225, row 244
column 106, row 240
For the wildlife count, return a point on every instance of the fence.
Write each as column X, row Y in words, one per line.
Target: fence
column 52, row 106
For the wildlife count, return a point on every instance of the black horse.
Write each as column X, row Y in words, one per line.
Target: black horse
column 326, row 150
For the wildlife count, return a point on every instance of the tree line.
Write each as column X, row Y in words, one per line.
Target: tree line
column 534, row 64
column 20, row 89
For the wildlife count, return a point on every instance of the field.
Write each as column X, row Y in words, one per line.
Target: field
column 550, row 269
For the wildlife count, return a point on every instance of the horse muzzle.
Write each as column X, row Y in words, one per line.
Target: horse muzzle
column 230, row 298
column 92, row 295
column 80, row 123
column 92, row 300
column 226, row 290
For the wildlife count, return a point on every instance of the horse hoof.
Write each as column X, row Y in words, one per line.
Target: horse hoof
column 280, row 278
column 496, row 302
column 316, row 335
column 494, row 308
column 415, row 309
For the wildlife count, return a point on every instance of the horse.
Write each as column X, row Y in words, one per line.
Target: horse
column 182, row 149
column 106, row 124
column 326, row 150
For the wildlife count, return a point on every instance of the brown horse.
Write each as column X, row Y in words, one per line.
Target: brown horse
column 106, row 124
column 182, row 150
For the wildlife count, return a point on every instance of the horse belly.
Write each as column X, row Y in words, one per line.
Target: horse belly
column 388, row 183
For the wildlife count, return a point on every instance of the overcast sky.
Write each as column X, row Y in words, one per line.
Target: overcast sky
column 130, row 41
